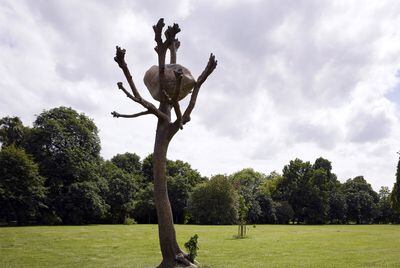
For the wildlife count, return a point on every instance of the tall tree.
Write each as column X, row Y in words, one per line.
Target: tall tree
column 323, row 183
column 284, row 212
column 361, row 200
column 66, row 146
column 337, row 206
column 306, row 187
column 395, row 195
column 144, row 208
column 147, row 167
column 296, row 188
column 168, row 84
column 82, row 203
column 214, row 202
column 385, row 212
column 12, row 131
column 129, row 162
column 121, row 192
column 181, row 181
column 22, row 190
column 247, row 182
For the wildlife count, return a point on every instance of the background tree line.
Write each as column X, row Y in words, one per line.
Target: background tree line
column 52, row 173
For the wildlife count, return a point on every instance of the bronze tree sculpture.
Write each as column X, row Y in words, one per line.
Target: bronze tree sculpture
column 168, row 91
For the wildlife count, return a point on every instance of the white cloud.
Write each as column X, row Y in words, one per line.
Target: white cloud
column 366, row 127
column 295, row 79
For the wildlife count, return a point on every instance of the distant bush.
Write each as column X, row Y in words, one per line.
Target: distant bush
column 130, row 221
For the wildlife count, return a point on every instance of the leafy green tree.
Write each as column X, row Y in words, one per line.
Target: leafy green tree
column 268, row 192
column 12, row 132
column 147, row 167
column 395, row 195
column 122, row 190
column 361, row 200
column 316, row 208
column 144, row 207
column 62, row 141
column 22, row 191
column 385, row 212
column 247, row 182
column 66, row 146
column 82, row 203
column 284, row 212
column 324, row 164
column 324, row 187
column 214, row 202
column 129, row 162
column 337, row 207
column 307, row 188
column 295, row 187
column 181, row 180
column 333, row 202
column 267, row 208
column 326, row 181
column 271, row 186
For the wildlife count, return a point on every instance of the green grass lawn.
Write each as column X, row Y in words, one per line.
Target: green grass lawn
column 266, row 246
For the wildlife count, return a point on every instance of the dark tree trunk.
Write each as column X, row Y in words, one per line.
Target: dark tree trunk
column 166, row 230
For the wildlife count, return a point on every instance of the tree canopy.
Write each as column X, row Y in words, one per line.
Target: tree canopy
column 214, row 202
column 22, row 191
column 52, row 173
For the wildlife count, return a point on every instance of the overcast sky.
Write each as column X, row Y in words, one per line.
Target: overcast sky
column 294, row 78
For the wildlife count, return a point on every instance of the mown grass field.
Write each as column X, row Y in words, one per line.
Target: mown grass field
column 266, row 246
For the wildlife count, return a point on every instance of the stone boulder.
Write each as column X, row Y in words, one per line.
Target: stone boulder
column 151, row 80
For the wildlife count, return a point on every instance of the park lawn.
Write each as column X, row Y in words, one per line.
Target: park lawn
column 266, row 246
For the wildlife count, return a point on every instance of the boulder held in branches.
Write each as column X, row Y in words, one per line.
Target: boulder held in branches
column 152, row 81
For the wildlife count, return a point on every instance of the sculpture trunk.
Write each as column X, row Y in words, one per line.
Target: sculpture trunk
column 168, row 244
column 168, row 93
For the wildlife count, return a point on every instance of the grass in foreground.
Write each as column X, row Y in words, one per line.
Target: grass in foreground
column 266, row 246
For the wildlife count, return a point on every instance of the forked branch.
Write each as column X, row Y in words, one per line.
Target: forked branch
column 120, row 59
column 172, row 44
column 170, row 34
column 162, row 48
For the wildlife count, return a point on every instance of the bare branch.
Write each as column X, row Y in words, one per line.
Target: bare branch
column 172, row 50
column 148, row 105
column 129, row 95
column 170, row 34
column 158, row 32
column 211, row 65
column 120, row 59
column 162, row 48
column 115, row 114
